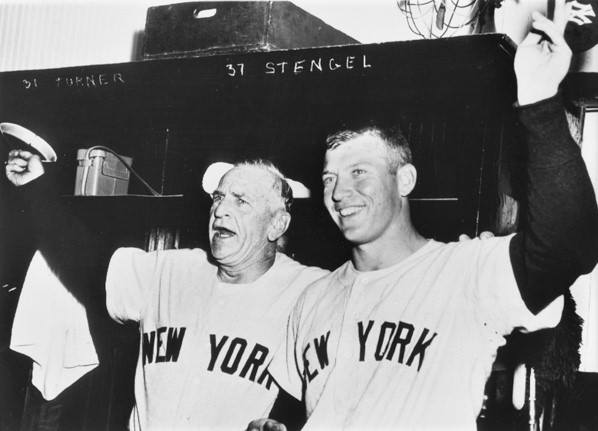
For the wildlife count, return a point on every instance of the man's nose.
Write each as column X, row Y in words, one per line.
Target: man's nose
column 341, row 188
column 220, row 208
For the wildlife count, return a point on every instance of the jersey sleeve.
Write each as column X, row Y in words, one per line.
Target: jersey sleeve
column 131, row 274
column 303, row 276
column 559, row 218
column 498, row 299
column 286, row 367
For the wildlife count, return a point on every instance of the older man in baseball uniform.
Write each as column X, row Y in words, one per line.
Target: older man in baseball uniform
column 208, row 329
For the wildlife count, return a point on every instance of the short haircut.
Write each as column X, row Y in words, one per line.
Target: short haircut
column 397, row 146
column 281, row 185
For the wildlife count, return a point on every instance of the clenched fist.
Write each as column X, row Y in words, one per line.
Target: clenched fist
column 23, row 167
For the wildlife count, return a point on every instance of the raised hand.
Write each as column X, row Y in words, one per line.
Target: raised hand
column 543, row 57
column 23, row 166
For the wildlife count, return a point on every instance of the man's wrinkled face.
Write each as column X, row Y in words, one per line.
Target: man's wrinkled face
column 360, row 192
column 241, row 215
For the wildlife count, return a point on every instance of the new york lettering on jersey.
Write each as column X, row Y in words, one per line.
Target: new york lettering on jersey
column 230, row 355
column 401, row 342
column 237, row 356
column 162, row 345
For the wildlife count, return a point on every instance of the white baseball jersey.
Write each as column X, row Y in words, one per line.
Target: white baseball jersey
column 407, row 347
column 205, row 345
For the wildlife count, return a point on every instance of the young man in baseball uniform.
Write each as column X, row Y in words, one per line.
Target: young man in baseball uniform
column 207, row 331
column 403, row 336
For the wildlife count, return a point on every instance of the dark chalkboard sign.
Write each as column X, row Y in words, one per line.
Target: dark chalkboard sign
column 174, row 117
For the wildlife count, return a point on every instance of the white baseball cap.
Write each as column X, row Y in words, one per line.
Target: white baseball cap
column 215, row 172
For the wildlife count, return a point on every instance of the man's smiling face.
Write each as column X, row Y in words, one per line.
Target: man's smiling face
column 360, row 191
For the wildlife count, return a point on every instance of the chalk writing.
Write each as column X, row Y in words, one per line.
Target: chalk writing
column 317, row 65
column 305, row 65
column 94, row 80
column 90, row 81
column 235, row 69
column 29, row 83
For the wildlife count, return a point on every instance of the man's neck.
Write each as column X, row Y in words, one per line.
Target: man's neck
column 387, row 251
column 243, row 274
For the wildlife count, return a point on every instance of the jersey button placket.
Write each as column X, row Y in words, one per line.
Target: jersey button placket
column 347, row 355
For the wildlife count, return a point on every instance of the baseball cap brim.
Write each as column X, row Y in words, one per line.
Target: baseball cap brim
column 215, row 172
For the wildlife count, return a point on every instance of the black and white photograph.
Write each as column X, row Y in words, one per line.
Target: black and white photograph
column 299, row 215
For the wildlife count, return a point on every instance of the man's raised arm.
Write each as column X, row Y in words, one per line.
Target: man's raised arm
column 559, row 237
column 75, row 254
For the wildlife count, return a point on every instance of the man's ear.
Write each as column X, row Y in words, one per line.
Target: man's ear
column 279, row 224
column 406, row 179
